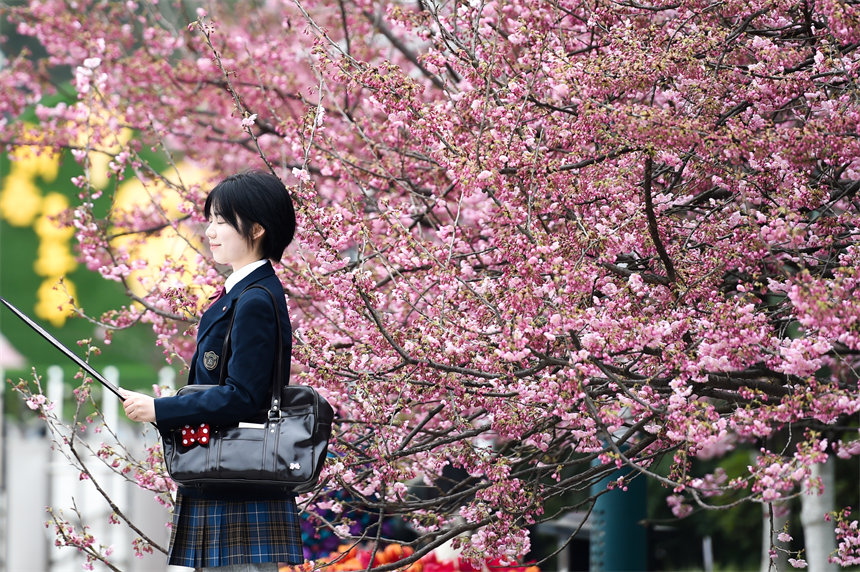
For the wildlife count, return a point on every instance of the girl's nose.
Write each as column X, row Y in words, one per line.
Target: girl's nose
column 210, row 230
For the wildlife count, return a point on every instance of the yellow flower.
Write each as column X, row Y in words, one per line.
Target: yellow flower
column 20, row 199
column 164, row 245
column 110, row 142
column 31, row 161
column 52, row 302
column 54, row 258
column 46, row 226
column 133, row 193
column 99, row 169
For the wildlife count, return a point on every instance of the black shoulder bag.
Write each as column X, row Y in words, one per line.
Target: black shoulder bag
column 287, row 449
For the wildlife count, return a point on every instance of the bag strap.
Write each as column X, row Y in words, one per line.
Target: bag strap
column 277, row 374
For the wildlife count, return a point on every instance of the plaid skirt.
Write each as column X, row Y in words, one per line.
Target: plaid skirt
column 216, row 532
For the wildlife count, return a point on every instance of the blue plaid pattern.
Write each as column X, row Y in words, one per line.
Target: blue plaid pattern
column 216, row 532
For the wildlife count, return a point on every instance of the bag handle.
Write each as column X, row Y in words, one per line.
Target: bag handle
column 279, row 364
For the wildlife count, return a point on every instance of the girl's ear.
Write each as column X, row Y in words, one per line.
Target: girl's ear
column 258, row 231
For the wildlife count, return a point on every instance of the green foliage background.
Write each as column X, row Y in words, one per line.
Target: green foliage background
column 133, row 350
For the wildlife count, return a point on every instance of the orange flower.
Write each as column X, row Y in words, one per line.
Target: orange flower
column 417, row 566
column 349, row 550
column 348, row 565
column 306, row 567
column 393, row 553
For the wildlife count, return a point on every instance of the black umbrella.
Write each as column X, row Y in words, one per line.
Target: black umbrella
column 69, row 353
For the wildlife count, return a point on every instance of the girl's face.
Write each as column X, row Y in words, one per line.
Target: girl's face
column 228, row 246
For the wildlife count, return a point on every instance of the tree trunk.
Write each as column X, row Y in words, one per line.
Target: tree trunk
column 774, row 518
column 819, row 535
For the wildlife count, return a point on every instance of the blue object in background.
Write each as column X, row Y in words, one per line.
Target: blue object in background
column 618, row 532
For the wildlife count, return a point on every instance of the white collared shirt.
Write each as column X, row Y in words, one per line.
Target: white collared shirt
column 238, row 275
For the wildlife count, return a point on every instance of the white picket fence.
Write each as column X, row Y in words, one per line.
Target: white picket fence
column 34, row 477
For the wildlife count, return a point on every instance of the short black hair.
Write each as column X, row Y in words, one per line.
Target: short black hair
column 255, row 197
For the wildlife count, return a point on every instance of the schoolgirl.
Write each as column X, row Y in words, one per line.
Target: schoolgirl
column 238, row 529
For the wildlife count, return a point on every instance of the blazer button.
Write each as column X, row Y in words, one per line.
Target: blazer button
column 224, row 308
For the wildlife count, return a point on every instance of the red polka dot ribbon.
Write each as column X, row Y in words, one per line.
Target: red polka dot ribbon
column 194, row 435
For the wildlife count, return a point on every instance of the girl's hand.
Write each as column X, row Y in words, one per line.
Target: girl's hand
column 138, row 407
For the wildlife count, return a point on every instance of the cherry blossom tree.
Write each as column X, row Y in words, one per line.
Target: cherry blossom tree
column 539, row 241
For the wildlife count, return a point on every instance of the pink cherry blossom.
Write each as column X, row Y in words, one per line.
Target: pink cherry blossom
column 535, row 240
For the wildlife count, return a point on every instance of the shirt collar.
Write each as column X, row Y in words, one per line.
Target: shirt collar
column 238, row 275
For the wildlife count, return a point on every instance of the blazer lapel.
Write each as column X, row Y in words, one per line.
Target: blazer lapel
column 260, row 273
column 223, row 307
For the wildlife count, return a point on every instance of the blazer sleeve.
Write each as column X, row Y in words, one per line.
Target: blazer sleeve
column 254, row 341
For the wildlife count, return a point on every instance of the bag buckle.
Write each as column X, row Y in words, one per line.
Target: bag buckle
column 274, row 411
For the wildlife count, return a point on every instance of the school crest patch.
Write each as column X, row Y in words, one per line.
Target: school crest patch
column 210, row 360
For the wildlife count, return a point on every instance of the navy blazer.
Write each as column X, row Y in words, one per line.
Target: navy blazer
column 253, row 338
